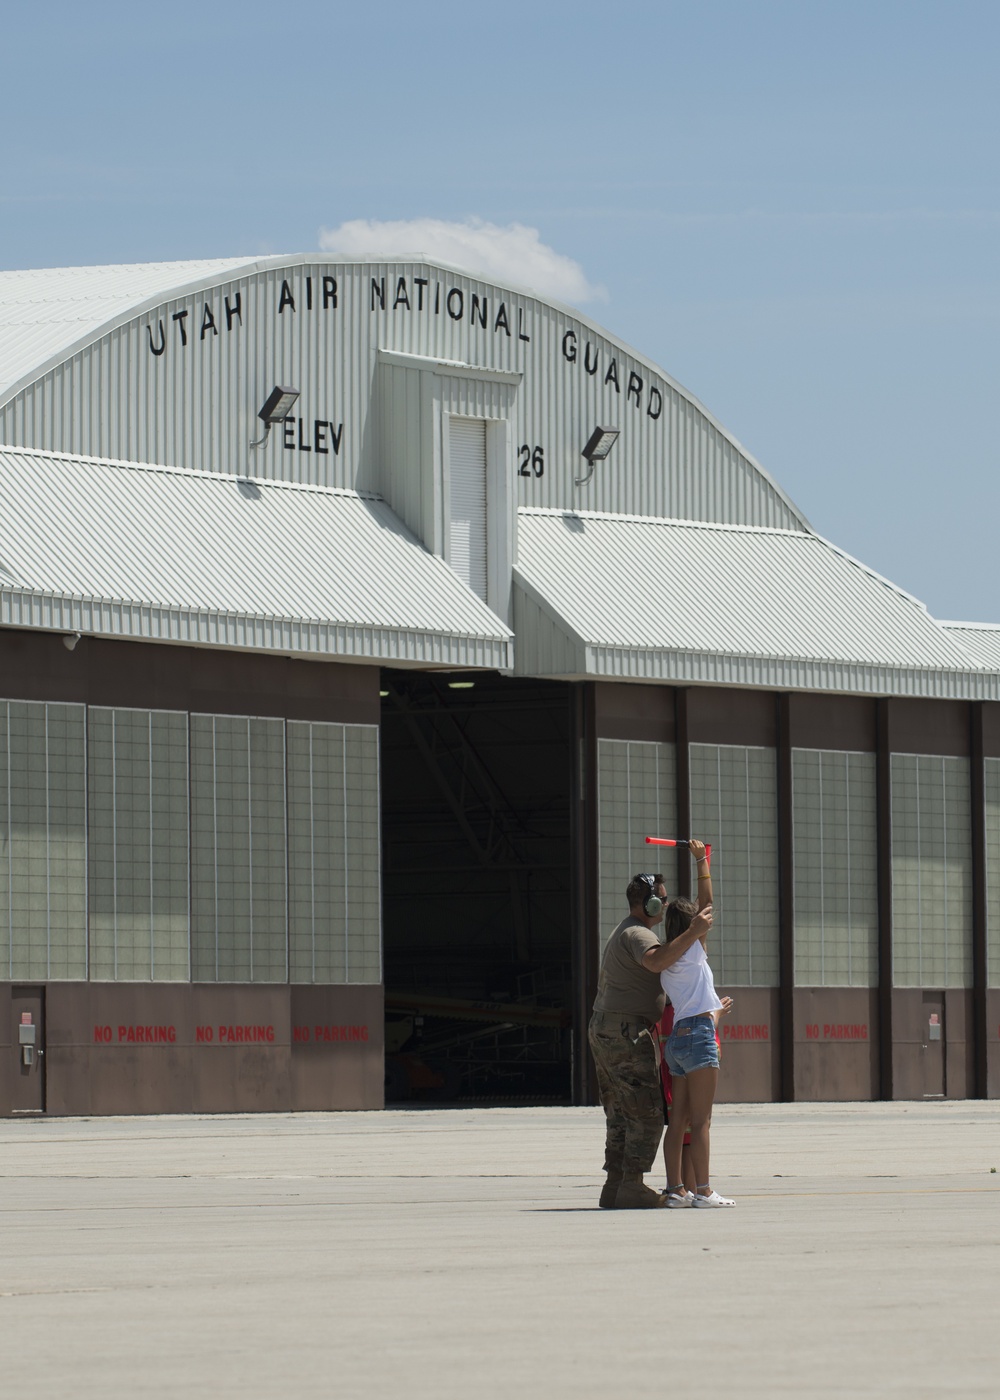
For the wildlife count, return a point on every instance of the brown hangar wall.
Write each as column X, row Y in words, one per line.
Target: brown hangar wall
column 171, row 1047
column 37, row 666
column 788, row 1039
column 133, row 1048
column 795, row 1041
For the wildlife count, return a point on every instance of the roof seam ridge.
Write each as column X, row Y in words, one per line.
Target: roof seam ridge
column 201, row 473
column 734, row 527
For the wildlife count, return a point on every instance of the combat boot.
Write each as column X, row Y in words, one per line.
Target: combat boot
column 634, row 1194
column 609, row 1191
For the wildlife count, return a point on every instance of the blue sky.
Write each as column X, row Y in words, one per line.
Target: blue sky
column 792, row 207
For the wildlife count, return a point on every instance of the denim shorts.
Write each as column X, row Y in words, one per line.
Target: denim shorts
column 691, row 1046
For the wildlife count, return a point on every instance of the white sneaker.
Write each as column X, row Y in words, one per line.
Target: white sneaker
column 679, row 1200
column 713, row 1201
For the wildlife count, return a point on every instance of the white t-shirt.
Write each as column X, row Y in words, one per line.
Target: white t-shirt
column 690, row 985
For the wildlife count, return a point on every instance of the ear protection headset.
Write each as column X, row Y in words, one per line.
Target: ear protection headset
column 652, row 904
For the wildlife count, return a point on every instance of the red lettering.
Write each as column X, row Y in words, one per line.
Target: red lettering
column 102, row 1035
column 203, row 1035
column 338, row 1035
column 121, row 1033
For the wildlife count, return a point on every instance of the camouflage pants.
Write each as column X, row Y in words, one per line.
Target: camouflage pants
column 628, row 1074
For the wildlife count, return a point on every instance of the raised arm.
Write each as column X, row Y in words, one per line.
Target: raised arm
column 697, row 849
column 664, row 955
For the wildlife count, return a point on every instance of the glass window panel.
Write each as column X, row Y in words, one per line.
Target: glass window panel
column 734, row 807
column 43, row 840
column 931, row 871
column 836, row 898
column 238, row 859
column 138, row 850
column 636, row 798
column 333, row 853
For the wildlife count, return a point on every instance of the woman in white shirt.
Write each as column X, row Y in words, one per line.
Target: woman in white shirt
column 691, row 1053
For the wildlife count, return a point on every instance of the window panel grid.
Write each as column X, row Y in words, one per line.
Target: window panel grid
column 931, row 871
column 734, row 807
column 834, row 838
column 239, row 885
column 334, row 853
column 637, row 797
column 138, row 848
column 124, row 774
column 43, row 916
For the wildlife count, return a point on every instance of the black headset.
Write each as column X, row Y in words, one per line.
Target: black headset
column 652, row 904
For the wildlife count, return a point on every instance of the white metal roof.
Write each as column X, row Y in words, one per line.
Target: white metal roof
column 980, row 639
column 119, row 549
column 46, row 311
column 644, row 599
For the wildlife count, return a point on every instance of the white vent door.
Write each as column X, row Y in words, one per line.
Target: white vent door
column 467, row 537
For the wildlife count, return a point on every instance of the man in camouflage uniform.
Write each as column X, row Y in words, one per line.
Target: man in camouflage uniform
column 628, row 1004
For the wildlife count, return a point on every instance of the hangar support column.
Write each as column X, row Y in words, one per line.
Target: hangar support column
column 980, row 970
column 883, row 820
column 584, row 885
column 786, row 902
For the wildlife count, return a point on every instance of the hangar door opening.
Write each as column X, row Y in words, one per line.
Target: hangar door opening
column 476, row 853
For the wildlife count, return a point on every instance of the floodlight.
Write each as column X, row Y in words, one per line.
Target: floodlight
column 599, row 444
column 277, row 406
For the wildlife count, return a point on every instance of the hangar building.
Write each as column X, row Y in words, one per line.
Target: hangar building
column 357, row 623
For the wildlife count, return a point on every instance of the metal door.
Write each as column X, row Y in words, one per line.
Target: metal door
column 467, row 553
column 932, row 1045
column 27, row 1037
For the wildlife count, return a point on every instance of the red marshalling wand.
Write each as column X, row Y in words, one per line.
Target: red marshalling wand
column 666, row 841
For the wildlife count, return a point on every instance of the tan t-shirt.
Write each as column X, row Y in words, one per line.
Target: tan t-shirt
column 623, row 984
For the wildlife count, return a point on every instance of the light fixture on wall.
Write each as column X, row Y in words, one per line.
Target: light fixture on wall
column 461, row 685
column 277, row 406
column 599, row 444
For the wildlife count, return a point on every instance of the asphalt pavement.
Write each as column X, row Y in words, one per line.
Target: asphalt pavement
column 460, row 1253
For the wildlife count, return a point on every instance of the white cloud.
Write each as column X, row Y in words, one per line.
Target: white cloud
column 513, row 254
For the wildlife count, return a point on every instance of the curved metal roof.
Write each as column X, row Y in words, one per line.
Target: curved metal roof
column 47, row 314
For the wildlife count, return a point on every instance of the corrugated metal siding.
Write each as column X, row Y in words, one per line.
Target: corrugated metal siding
column 136, row 551
column 660, row 600
column 195, row 405
column 543, row 647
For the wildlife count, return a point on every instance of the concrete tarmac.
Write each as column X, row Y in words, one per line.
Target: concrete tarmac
column 445, row 1254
